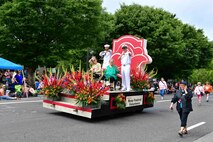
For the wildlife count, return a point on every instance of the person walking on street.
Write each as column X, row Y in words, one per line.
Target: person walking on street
column 183, row 100
column 199, row 91
column 163, row 87
column 125, row 58
column 106, row 55
column 208, row 90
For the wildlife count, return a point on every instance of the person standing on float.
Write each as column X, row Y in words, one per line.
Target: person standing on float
column 106, row 55
column 125, row 58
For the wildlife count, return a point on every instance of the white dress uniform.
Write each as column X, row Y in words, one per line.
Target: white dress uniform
column 106, row 57
column 125, row 71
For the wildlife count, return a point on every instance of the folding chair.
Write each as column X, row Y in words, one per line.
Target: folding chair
column 18, row 91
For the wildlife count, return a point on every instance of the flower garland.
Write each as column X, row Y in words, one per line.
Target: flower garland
column 150, row 97
column 120, row 101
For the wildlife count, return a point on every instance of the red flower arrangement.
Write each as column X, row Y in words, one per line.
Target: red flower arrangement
column 140, row 78
column 87, row 91
column 90, row 92
column 53, row 85
column 71, row 80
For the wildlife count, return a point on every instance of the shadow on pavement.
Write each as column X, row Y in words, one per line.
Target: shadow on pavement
column 100, row 119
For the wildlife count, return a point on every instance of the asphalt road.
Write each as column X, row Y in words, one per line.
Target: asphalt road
column 27, row 121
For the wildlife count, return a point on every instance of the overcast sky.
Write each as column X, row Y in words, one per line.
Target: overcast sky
column 198, row 13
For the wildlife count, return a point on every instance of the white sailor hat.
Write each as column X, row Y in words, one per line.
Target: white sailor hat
column 124, row 46
column 106, row 45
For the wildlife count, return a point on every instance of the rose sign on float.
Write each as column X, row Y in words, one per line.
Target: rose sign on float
column 136, row 46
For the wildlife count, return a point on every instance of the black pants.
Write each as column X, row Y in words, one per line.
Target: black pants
column 111, row 79
column 183, row 117
column 96, row 76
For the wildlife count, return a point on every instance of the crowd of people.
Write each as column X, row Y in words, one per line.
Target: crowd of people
column 162, row 87
column 14, row 85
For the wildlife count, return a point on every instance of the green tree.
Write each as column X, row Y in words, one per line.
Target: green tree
column 4, row 1
column 201, row 75
column 105, row 27
column 175, row 47
column 35, row 32
column 41, row 32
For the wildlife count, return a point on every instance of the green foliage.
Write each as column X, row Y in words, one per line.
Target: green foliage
column 51, row 32
column 175, row 48
column 211, row 65
column 4, row 1
column 34, row 32
column 201, row 75
column 107, row 24
column 74, row 57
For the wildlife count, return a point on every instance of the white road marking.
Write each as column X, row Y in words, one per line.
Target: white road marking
column 163, row 101
column 20, row 102
column 196, row 125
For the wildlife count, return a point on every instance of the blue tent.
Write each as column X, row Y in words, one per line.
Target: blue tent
column 5, row 64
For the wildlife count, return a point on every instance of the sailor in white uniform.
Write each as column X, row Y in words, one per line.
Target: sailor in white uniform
column 125, row 58
column 106, row 55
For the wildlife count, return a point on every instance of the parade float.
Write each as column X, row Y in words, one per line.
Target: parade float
column 77, row 93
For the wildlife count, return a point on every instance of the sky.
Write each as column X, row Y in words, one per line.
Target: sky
column 198, row 13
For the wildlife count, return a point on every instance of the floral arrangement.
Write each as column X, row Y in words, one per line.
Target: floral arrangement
column 52, row 86
column 150, row 97
column 140, row 78
column 120, row 101
column 71, row 80
column 79, row 83
column 90, row 92
column 87, row 91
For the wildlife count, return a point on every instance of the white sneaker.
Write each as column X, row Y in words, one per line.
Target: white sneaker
column 129, row 90
column 123, row 89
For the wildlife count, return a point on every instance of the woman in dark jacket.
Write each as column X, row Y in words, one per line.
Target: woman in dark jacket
column 183, row 98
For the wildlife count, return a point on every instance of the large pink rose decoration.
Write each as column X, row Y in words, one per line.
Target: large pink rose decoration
column 136, row 46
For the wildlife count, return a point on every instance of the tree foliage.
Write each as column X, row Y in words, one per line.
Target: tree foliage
column 35, row 32
column 201, row 75
column 176, row 48
column 106, row 26
column 4, row 1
